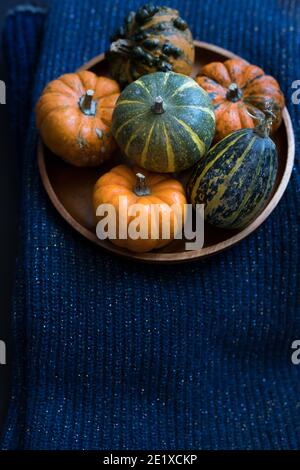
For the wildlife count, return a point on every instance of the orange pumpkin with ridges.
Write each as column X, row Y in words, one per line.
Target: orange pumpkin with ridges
column 239, row 92
column 74, row 117
column 138, row 186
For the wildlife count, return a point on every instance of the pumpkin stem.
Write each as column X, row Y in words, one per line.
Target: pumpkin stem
column 141, row 188
column 121, row 46
column 264, row 126
column 234, row 93
column 265, row 121
column 87, row 104
column 158, row 106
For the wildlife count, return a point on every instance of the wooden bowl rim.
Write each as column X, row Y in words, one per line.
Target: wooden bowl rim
column 157, row 257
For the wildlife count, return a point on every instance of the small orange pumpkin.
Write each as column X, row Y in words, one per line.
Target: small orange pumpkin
column 74, row 116
column 145, row 188
column 237, row 89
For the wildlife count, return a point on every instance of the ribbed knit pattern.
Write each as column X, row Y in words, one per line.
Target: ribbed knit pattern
column 21, row 47
column 112, row 354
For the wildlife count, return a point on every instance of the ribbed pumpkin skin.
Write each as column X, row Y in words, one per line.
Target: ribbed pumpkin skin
column 76, row 130
column 235, row 179
column 253, row 91
column 164, row 191
column 152, row 39
column 169, row 142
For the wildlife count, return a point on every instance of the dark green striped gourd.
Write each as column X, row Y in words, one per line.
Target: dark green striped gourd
column 236, row 178
column 164, row 122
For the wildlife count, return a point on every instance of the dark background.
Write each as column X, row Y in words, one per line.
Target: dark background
column 8, row 229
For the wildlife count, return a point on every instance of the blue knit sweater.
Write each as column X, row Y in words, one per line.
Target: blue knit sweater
column 111, row 354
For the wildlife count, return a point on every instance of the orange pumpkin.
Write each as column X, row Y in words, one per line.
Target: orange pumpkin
column 141, row 187
column 237, row 89
column 74, row 116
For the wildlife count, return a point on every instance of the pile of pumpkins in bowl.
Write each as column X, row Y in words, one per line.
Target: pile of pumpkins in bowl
column 163, row 122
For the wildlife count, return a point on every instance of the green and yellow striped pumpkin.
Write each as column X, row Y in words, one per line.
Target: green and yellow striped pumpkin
column 164, row 122
column 236, row 178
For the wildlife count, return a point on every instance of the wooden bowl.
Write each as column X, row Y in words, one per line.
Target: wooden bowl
column 70, row 189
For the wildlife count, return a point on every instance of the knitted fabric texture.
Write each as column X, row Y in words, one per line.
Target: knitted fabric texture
column 112, row 354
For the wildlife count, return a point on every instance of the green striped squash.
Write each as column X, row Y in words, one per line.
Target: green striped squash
column 236, row 178
column 164, row 122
